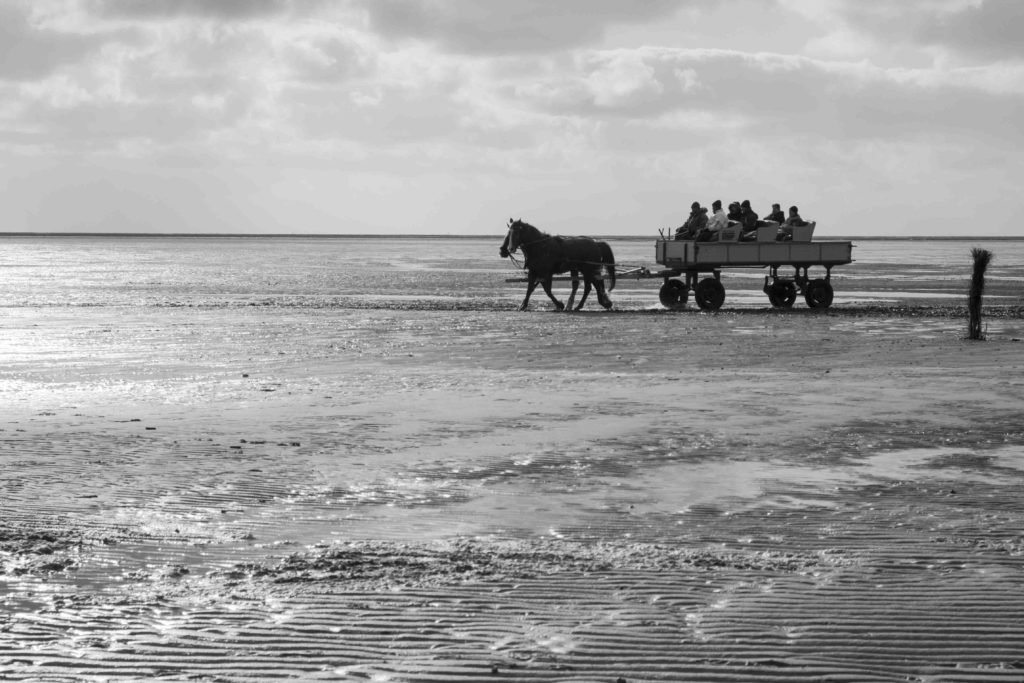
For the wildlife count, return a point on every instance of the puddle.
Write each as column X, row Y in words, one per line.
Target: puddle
column 679, row 486
column 956, row 463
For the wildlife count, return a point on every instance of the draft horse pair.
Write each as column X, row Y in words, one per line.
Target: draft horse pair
column 547, row 255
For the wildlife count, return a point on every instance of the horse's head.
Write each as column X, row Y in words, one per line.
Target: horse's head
column 513, row 238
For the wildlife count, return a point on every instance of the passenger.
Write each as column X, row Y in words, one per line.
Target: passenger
column 717, row 221
column 694, row 224
column 776, row 215
column 786, row 232
column 734, row 212
column 749, row 220
column 794, row 217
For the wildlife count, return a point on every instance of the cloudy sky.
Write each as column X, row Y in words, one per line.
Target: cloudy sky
column 900, row 117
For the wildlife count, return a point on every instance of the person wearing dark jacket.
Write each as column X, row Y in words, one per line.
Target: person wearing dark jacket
column 694, row 224
column 748, row 218
column 776, row 214
column 794, row 217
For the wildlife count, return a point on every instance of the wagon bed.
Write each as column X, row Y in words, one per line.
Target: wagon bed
column 711, row 255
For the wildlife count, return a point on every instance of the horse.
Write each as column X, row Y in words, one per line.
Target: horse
column 546, row 255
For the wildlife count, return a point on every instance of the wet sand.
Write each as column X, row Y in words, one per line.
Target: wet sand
column 426, row 495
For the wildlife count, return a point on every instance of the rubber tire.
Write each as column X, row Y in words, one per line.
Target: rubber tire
column 818, row 294
column 782, row 293
column 709, row 294
column 673, row 295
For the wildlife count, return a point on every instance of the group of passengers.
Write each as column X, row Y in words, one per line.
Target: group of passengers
column 700, row 227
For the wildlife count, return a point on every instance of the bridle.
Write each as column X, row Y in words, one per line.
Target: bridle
column 542, row 238
column 508, row 237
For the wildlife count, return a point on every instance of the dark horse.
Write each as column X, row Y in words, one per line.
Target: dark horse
column 547, row 255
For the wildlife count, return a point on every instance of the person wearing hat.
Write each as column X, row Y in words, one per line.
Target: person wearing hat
column 717, row 221
column 776, row 214
column 748, row 218
column 694, row 223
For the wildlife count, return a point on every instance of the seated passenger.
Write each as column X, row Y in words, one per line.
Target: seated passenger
column 717, row 221
column 794, row 217
column 694, row 224
column 734, row 212
column 749, row 220
column 776, row 214
column 786, row 233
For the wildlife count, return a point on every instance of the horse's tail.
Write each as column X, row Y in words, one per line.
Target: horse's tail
column 608, row 259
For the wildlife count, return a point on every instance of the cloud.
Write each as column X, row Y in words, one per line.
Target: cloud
column 967, row 29
column 28, row 51
column 523, row 26
column 989, row 30
column 623, row 79
column 215, row 9
column 775, row 95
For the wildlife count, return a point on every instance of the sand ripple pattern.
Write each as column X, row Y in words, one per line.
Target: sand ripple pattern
column 942, row 603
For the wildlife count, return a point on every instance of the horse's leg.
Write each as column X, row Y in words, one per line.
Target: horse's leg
column 546, row 283
column 575, row 286
column 529, row 290
column 602, row 296
column 586, row 292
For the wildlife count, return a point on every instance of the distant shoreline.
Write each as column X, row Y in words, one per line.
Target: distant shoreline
column 625, row 238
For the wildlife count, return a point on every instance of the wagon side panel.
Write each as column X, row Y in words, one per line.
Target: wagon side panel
column 804, row 253
column 777, row 253
column 674, row 253
column 836, row 252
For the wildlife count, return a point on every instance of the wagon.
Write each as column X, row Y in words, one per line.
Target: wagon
column 697, row 266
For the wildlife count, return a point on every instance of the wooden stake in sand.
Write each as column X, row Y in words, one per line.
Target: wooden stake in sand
column 982, row 257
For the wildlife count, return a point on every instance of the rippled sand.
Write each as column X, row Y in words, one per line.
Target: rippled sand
column 425, row 495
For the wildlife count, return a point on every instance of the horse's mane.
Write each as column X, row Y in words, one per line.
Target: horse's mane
column 530, row 228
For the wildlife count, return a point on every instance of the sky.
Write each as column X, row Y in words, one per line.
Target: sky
column 595, row 117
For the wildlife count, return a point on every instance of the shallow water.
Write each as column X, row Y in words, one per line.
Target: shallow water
column 317, row 272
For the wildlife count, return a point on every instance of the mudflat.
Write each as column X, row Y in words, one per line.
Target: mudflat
column 428, row 495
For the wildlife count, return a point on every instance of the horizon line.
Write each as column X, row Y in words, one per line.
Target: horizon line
column 311, row 235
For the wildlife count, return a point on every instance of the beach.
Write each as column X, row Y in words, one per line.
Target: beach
column 273, row 482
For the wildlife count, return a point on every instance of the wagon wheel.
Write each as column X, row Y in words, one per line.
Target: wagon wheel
column 782, row 293
column 818, row 293
column 673, row 294
column 709, row 294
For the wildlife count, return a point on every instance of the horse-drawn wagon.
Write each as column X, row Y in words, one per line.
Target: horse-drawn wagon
column 688, row 265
